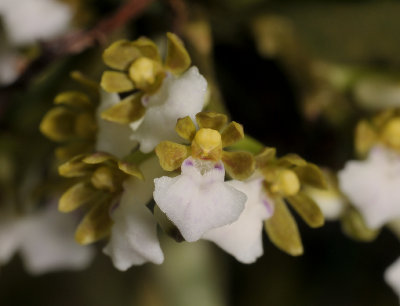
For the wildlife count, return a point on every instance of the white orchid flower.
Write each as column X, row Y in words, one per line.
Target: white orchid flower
column 26, row 21
column 392, row 276
column 372, row 186
column 134, row 238
column 178, row 96
column 243, row 238
column 45, row 241
column 198, row 200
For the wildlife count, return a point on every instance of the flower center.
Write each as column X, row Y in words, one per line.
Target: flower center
column 143, row 72
column 207, row 145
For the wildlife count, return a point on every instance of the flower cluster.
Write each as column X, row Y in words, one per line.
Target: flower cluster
column 147, row 105
column 371, row 185
column 374, row 180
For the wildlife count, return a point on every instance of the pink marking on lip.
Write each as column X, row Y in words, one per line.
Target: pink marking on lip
column 188, row 162
column 114, row 207
column 145, row 101
column 268, row 206
column 219, row 166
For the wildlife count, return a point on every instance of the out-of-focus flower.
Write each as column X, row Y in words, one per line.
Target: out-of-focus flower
column 243, row 238
column 392, row 276
column 372, row 185
column 165, row 91
column 99, row 188
column 377, row 92
column 133, row 239
column 75, row 123
column 8, row 67
column 115, row 199
column 27, row 21
column 383, row 129
column 284, row 180
column 199, row 200
column 330, row 200
column 45, row 241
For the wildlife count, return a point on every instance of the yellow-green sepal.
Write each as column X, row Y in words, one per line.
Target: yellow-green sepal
column 231, row 134
column 185, row 128
column 211, row 120
column 239, row 165
column 76, row 196
column 171, row 154
column 96, row 224
column 178, row 59
column 128, row 110
column 354, row 226
column 307, row 209
column 282, row 229
column 114, row 81
column 120, row 54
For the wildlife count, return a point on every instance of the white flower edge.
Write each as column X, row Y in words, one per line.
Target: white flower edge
column 377, row 92
column 372, row 186
column 112, row 137
column 392, row 276
column 134, row 238
column 243, row 238
column 196, row 202
column 26, row 21
column 177, row 97
column 8, row 67
column 329, row 201
column 45, row 240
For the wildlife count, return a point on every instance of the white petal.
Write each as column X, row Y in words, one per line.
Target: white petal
column 377, row 92
column 11, row 235
column 392, row 276
column 243, row 238
column 329, row 201
column 49, row 245
column 178, row 97
column 26, row 21
column 134, row 238
column 197, row 202
column 112, row 137
column 8, row 68
column 373, row 186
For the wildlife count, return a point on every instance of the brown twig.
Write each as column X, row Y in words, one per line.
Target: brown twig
column 180, row 11
column 74, row 43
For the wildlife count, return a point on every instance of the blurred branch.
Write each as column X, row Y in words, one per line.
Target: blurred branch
column 74, row 43
column 180, row 12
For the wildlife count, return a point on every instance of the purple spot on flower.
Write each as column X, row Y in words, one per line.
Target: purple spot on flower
column 268, row 206
column 114, row 207
column 188, row 163
column 219, row 166
column 145, row 100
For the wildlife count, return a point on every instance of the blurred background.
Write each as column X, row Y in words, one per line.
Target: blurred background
column 297, row 75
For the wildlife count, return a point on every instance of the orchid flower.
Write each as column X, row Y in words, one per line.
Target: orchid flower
column 133, row 238
column 165, row 92
column 372, row 186
column 392, row 276
column 27, row 21
column 198, row 199
column 45, row 241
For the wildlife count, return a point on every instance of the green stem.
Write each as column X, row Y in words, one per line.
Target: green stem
column 249, row 144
